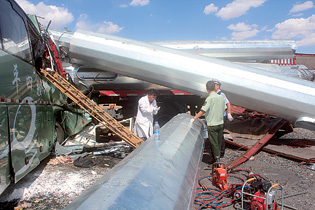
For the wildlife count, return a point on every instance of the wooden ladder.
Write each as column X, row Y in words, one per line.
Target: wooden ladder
column 93, row 109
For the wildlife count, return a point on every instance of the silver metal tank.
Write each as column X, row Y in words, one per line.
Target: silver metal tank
column 237, row 50
column 157, row 175
column 267, row 92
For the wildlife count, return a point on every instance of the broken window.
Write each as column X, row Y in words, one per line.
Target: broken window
column 13, row 32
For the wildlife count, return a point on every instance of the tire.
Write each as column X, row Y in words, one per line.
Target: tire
column 60, row 133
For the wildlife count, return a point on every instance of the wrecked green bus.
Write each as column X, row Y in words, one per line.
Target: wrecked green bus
column 33, row 113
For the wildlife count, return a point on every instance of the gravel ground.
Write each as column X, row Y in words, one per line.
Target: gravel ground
column 293, row 176
column 54, row 187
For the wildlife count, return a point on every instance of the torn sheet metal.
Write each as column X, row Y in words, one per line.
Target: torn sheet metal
column 116, row 151
column 155, row 176
column 67, row 150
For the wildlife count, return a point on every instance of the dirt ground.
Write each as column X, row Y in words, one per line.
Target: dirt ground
column 55, row 186
column 295, row 178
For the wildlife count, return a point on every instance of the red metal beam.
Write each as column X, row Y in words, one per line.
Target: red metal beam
column 257, row 146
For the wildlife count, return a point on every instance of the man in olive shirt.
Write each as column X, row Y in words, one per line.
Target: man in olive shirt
column 214, row 107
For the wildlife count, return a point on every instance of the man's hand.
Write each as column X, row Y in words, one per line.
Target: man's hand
column 230, row 118
column 192, row 120
column 157, row 108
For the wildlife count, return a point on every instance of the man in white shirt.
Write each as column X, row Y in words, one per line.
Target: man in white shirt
column 227, row 112
column 147, row 107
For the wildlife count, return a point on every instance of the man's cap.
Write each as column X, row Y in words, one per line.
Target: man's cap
column 216, row 81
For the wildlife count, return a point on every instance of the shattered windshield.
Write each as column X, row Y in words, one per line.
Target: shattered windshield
column 13, row 32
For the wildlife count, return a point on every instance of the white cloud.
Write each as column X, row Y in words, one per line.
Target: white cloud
column 297, row 15
column 298, row 28
column 60, row 16
column 243, row 31
column 301, row 7
column 139, row 2
column 265, row 28
column 291, row 28
column 210, row 9
column 270, row 30
column 308, row 40
column 109, row 27
column 106, row 27
column 237, row 8
column 241, row 27
column 241, row 35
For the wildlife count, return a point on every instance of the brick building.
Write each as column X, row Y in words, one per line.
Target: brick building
column 307, row 60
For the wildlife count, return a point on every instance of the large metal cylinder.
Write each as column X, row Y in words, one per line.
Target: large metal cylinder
column 156, row 175
column 237, row 50
column 267, row 92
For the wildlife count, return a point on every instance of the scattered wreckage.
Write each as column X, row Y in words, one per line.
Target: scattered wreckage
column 35, row 113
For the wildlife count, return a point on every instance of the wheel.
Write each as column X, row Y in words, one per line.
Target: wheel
column 60, row 133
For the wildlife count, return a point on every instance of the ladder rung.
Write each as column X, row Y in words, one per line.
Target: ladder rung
column 85, row 103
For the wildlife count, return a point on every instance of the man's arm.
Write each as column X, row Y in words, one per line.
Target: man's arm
column 155, row 108
column 200, row 113
column 228, row 105
column 229, row 115
column 144, row 105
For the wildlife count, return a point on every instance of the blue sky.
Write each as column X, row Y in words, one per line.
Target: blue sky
column 165, row 20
